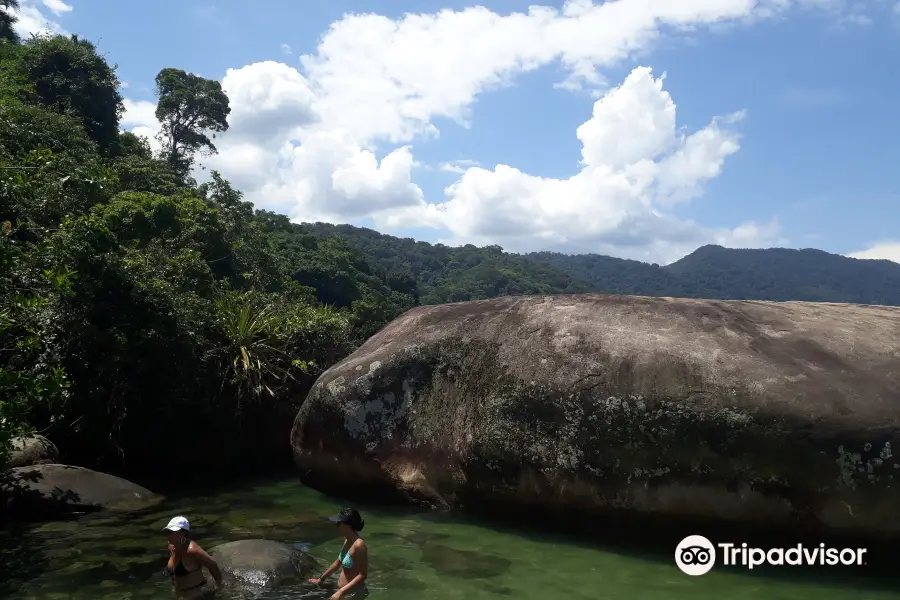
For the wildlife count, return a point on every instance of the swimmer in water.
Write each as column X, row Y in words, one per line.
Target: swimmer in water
column 187, row 559
column 353, row 559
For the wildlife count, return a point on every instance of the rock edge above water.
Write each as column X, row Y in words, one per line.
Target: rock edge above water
column 49, row 490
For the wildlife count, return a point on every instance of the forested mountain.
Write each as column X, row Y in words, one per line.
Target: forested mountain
column 447, row 274
column 453, row 274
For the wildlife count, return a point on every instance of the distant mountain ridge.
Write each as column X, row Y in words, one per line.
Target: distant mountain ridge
column 778, row 274
column 447, row 274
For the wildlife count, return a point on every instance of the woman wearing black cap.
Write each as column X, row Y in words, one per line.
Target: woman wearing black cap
column 352, row 559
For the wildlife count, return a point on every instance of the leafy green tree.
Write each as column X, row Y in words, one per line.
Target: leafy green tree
column 189, row 107
column 256, row 265
column 69, row 76
column 8, row 20
column 341, row 276
column 29, row 378
column 136, row 173
column 130, row 144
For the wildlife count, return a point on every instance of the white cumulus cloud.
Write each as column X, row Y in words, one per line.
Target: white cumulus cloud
column 887, row 250
column 32, row 19
column 634, row 164
column 457, row 166
column 333, row 141
column 58, row 7
column 140, row 119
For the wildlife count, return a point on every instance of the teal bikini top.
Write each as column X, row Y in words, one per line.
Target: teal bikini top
column 346, row 559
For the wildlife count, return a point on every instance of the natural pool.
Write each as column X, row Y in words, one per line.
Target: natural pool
column 414, row 555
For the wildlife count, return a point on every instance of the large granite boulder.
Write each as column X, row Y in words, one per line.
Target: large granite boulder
column 748, row 411
column 263, row 562
column 31, row 450
column 41, row 491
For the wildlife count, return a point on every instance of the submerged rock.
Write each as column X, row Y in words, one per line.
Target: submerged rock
column 765, row 412
column 31, row 450
column 41, row 491
column 263, row 562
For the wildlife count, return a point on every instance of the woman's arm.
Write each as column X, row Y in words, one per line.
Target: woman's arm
column 334, row 567
column 170, row 565
column 200, row 555
column 361, row 560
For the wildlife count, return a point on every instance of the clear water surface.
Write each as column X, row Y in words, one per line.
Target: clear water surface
column 413, row 555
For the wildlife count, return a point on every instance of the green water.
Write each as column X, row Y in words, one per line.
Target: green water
column 413, row 555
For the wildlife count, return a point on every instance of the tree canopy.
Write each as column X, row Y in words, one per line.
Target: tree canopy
column 70, row 77
column 189, row 107
column 8, row 20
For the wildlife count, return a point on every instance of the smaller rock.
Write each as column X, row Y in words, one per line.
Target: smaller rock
column 31, row 450
column 263, row 562
column 46, row 491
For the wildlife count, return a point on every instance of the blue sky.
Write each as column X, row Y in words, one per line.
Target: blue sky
column 803, row 153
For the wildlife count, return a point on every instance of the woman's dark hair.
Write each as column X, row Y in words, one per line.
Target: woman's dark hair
column 350, row 517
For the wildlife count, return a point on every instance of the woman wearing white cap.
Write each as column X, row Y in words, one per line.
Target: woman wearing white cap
column 187, row 558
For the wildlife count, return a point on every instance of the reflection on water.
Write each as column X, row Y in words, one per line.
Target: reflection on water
column 413, row 556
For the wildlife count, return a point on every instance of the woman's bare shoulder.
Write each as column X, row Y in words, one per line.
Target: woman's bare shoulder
column 195, row 549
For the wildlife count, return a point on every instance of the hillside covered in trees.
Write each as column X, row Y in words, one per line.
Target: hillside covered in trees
column 448, row 274
column 148, row 320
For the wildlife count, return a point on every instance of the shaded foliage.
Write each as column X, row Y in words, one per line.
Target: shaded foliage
column 341, row 276
column 7, row 21
column 147, row 321
column 70, row 77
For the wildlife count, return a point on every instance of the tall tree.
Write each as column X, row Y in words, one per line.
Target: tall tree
column 69, row 76
column 189, row 107
column 8, row 20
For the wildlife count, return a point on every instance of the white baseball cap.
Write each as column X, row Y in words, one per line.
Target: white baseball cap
column 178, row 524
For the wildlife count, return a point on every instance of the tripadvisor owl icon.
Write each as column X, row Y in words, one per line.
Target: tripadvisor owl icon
column 695, row 555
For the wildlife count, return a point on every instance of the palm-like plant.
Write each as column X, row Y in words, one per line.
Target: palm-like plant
column 254, row 360
column 8, row 20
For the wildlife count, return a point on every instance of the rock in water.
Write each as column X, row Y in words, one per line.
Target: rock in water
column 31, row 450
column 760, row 411
column 49, row 490
column 263, row 562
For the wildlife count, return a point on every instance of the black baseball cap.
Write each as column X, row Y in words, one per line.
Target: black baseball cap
column 349, row 516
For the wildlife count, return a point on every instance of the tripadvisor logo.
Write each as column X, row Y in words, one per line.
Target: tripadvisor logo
column 696, row 555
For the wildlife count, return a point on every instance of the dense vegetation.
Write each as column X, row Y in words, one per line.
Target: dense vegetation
column 148, row 321
column 447, row 274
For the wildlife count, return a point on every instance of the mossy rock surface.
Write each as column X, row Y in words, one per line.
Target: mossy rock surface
column 765, row 412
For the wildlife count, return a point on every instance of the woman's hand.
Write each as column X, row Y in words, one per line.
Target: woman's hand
column 337, row 595
column 315, row 581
